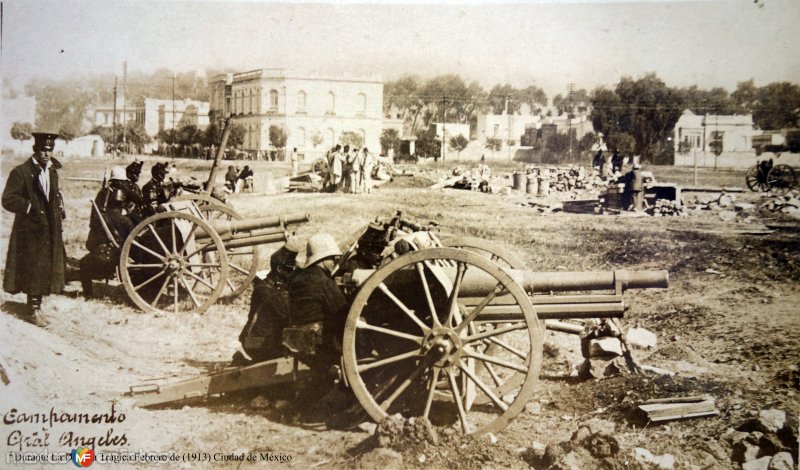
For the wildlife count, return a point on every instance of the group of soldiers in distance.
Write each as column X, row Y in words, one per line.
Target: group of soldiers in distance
column 122, row 204
column 350, row 170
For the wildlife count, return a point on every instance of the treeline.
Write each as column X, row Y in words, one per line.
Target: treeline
column 637, row 116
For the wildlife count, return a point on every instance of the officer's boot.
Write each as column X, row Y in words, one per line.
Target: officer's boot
column 35, row 306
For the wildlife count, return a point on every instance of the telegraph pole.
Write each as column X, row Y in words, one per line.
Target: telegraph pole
column 173, row 101
column 508, row 116
column 124, row 104
column 114, row 122
column 570, row 90
column 444, row 124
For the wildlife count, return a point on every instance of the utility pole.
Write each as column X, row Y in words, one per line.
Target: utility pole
column 444, row 123
column 124, row 104
column 570, row 90
column 114, row 122
column 508, row 116
column 173, row 101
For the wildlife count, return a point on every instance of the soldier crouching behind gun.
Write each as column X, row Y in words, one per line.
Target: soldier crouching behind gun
column 115, row 203
column 269, row 309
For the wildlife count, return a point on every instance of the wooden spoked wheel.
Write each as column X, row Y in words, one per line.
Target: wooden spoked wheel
column 417, row 343
column 781, row 179
column 505, row 259
column 243, row 261
column 755, row 182
column 321, row 167
column 199, row 198
column 487, row 248
column 173, row 262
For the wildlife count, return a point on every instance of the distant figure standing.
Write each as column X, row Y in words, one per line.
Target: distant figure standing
column 230, row 178
column 36, row 260
column 242, row 178
column 295, row 162
column 597, row 161
column 337, row 164
column 355, row 171
column 367, row 164
column 616, row 161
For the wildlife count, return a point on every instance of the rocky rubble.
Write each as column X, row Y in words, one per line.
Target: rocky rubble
column 769, row 205
column 769, row 440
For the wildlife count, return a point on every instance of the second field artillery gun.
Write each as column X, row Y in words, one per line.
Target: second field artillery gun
column 180, row 260
column 443, row 332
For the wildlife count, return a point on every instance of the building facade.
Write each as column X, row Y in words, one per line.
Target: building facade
column 104, row 113
column 696, row 136
column 315, row 112
column 157, row 115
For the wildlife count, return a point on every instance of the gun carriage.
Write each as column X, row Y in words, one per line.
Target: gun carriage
column 450, row 330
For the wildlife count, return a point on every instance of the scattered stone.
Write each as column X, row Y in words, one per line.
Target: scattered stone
column 492, row 438
column 281, row 405
column 772, row 420
column 727, row 216
column 380, row 457
column 744, row 450
column 533, row 407
column 601, row 445
column 641, row 338
column 368, row 427
column 598, row 425
column 782, row 461
column 743, row 206
column 606, row 348
column 757, row 464
column 421, row 458
column 664, row 462
column 260, row 403
column 581, row 434
column 598, row 368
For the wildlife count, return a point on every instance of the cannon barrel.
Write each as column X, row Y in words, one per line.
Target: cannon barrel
column 223, row 227
column 478, row 283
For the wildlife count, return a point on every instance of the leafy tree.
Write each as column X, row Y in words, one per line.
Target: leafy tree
column 533, row 96
column 236, row 137
column 390, row 139
column 622, row 141
column 777, row 106
column 135, row 135
column 459, row 143
column 353, row 139
column 498, row 96
column 21, row 130
column 494, row 143
column 428, row 145
column 278, row 137
column 189, row 134
column 585, row 143
column 745, row 96
column 212, row 135
column 67, row 132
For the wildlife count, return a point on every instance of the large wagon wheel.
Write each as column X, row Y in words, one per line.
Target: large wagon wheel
column 781, row 179
column 754, row 180
column 199, row 198
column 410, row 337
column 165, row 267
column 490, row 249
column 243, row 261
column 505, row 259
column 321, row 167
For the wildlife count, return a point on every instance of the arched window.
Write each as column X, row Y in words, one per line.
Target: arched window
column 301, row 101
column 300, row 140
column 331, row 103
column 273, row 100
column 361, row 103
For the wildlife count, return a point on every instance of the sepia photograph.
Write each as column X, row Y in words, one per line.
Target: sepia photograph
column 454, row 234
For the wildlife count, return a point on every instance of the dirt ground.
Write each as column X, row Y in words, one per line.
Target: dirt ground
column 727, row 326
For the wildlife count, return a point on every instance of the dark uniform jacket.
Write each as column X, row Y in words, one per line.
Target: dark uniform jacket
column 36, row 260
column 156, row 193
column 269, row 315
column 314, row 297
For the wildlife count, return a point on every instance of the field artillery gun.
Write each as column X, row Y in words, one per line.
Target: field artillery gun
column 184, row 258
column 443, row 332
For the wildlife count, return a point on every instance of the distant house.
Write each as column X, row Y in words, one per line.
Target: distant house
column 695, row 138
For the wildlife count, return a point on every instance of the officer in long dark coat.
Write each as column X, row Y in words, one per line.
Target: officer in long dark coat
column 36, row 260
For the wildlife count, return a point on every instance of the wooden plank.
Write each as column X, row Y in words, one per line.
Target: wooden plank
column 241, row 378
column 678, row 408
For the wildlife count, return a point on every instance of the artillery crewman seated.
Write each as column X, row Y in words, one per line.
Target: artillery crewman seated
column 114, row 202
column 157, row 191
column 317, row 303
column 269, row 308
column 134, row 171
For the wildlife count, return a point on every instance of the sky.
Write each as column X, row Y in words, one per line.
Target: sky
column 547, row 43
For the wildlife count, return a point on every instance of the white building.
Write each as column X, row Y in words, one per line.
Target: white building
column 104, row 113
column 507, row 127
column 694, row 136
column 316, row 112
column 157, row 115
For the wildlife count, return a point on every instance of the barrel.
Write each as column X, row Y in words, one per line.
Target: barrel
column 533, row 184
column 544, row 187
column 519, row 181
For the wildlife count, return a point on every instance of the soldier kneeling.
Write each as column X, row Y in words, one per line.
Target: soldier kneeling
column 269, row 309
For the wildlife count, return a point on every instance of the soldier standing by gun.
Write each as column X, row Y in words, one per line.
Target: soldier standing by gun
column 36, row 261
